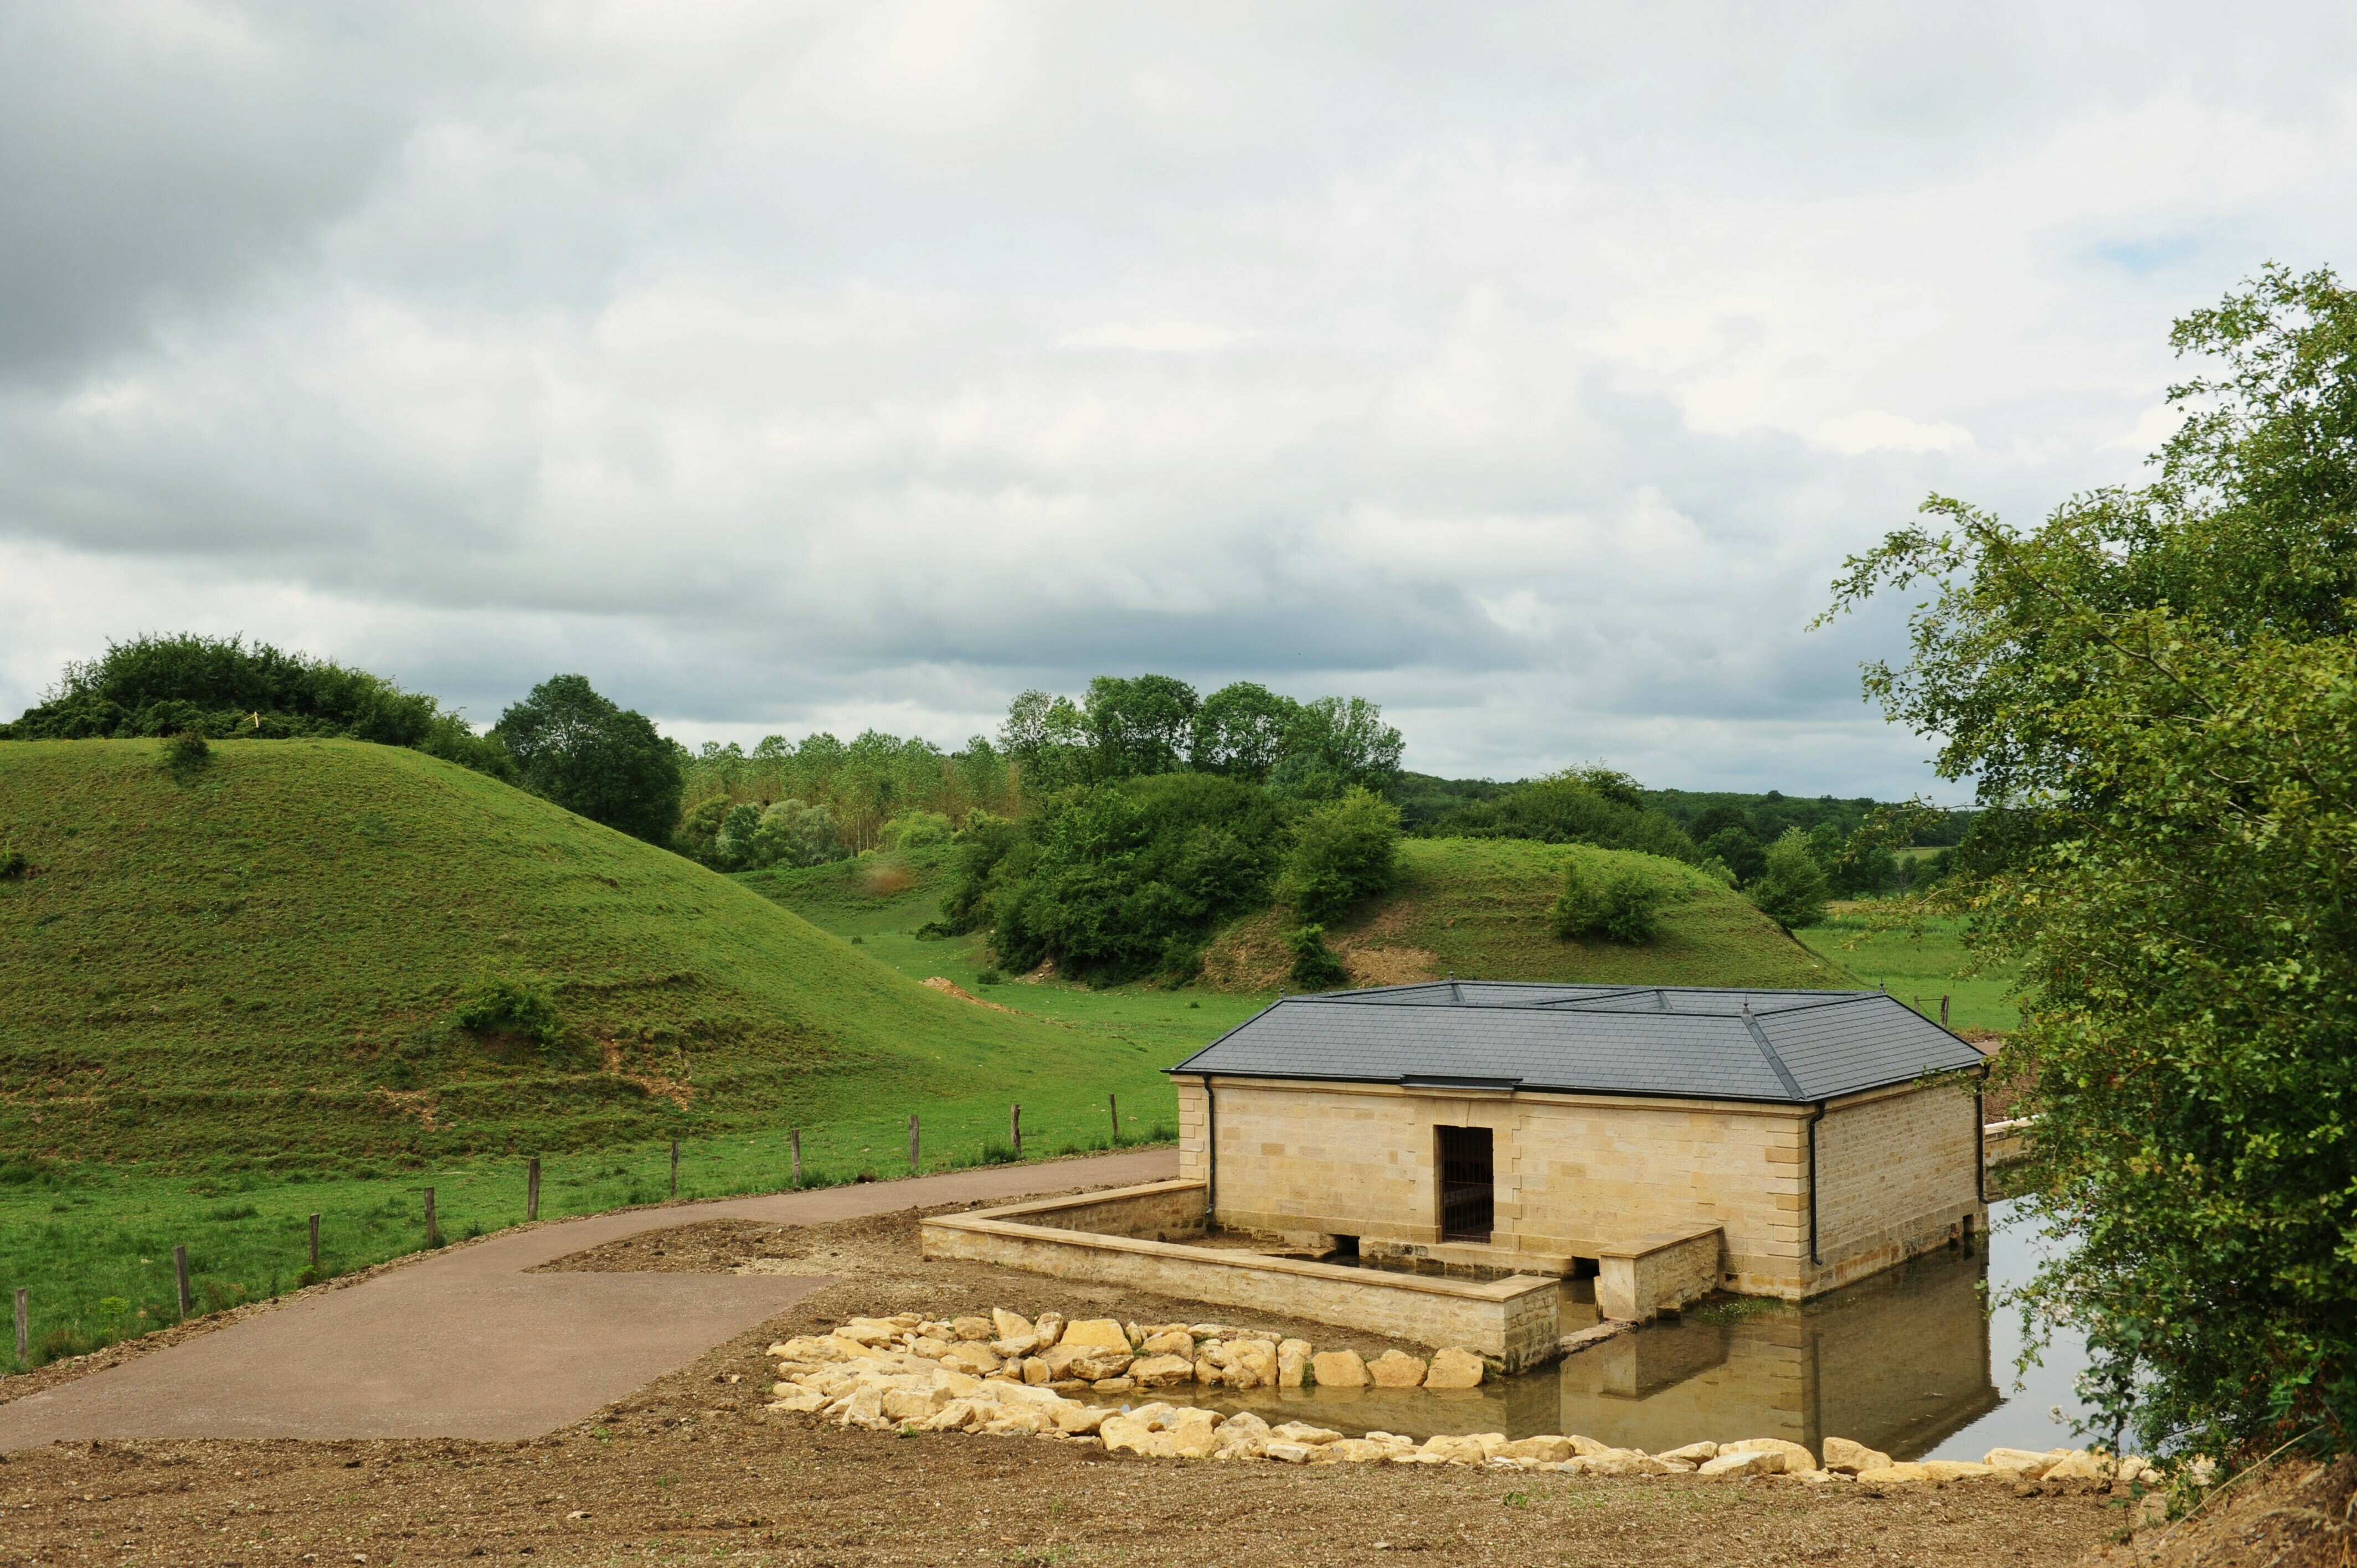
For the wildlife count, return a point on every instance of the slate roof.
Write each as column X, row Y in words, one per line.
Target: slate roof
column 1679, row 1042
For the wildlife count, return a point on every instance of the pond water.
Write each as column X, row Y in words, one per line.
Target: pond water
column 1908, row 1362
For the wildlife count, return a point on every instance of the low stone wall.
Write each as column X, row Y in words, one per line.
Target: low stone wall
column 1635, row 1280
column 1159, row 1211
column 1511, row 1323
column 1009, row 1376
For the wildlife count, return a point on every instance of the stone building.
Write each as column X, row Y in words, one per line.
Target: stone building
column 1771, row 1142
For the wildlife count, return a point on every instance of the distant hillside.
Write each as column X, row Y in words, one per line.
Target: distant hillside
column 264, row 960
column 1478, row 908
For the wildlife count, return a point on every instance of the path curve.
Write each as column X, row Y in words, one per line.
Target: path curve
column 468, row 1344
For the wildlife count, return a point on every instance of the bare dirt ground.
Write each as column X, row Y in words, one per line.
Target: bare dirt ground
column 690, row 1468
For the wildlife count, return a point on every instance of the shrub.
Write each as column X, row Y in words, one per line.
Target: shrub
column 1314, row 967
column 13, row 866
column 1622, row 905
column 186, row 755
column 509, row 1007
column 1792, row 890
column 732, row 840
column 793, row 834
column 987, row 977
column 914, row 830
column 1341, row 853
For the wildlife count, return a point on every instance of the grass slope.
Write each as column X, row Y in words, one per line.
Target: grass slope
column 259, row 966
column 1479, row 908
column 1918, row 967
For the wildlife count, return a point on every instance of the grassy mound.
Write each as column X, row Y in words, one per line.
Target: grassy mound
column 1479, row 908
column 258, row 958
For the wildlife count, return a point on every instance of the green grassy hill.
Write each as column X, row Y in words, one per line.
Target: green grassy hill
column 259, row 966
column 1478, row 908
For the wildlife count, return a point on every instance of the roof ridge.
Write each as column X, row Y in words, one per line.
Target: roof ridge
column 1783, row 1073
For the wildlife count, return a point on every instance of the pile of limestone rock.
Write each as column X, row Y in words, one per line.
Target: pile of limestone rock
column 1008, row 1375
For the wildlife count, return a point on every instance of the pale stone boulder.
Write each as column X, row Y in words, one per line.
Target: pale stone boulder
column 1791, row 1457
column 1845, row 1457
column 1339, row 1370
column 1101, row 1332
column 1292, row 1361
column 1080, row 1419
column 1734, row 1465
column 1206, row 1372
column 1208, row 1330
column 1162, row 1372
column 1288, row 1452
column 1086, row 1361
column 1049, row 1326
column 974, row 1328
column 1035, row 1371
column 975, row 1360
column 1465, row 1450
column 958, row 1415
column 1195, row 1439
column 795, row 1401
column 1394, row 1370
column 1169, row 1342
column 1302, row 1432
column 1902, row 1474
column 1956, row 1470
column 2023, row 1464
column 928, row 1347
column 1127, row 1433
column 1244, row 1435
column 865, row 1408
column 1455, row 1368
column 1018, row 1422
column 1010, row 1324
column 2082, row 1465
column 1621, row 1462
column 860, row 1331
column 1695, row 1454
column 1351, row 1451
column 914, row 1405
column 1114, row 1385
column 1546, row 1450
column 1014, row 1349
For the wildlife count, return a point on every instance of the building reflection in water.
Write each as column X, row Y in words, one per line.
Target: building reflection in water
column 1897, row 1362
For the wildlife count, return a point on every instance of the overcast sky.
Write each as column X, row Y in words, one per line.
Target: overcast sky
column 1529, row 370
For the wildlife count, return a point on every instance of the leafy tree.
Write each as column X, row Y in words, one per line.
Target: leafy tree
column 1593, row 806
column 221, row 688
column 1792, row 888
column 2154, row 692
column 1048, row 739
column 1139, row 726
column 794, row 833
column 1335, row 744
column 1240, row 730
column 1740, row 853
column 604, row 762
column 732, row 840
column 1342, row 853
column 913, row 829
column 1715, row 820
column 1119, row 880
column 1622, row 905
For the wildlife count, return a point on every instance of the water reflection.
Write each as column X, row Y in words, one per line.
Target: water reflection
column 1905, row 1363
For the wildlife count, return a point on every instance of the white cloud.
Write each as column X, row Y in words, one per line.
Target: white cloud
column 1528, row 369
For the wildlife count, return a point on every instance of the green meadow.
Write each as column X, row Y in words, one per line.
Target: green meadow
column 1918, row 967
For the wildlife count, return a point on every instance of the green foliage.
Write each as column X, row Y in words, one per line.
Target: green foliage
column 1314, row 967
column 1792, row 888
column 1734, row 847
column 13, row 866
column 185, row 755
column 862, row 785
column 500, row 1007
column 593, row 759
column 1592, row 805
column 916, row 829
column 793, row 834
column 221, row 687
column 166, row 982
column 2158, row 687
column 1342, row 852
column 1147, row 725
column 1101, row 880
column 1623, row 904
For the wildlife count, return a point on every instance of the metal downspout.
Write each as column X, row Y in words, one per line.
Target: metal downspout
column 1815, row 1116
column 1210, row 1153
column 1980, row 1140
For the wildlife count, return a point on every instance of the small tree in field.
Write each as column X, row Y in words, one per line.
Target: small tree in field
column 1792, row 890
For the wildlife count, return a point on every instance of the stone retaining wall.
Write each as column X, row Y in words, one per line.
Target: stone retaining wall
column 1637, row 1280
column 1512, row 1322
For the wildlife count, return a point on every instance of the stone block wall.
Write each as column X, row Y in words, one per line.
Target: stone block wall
column 1898, row 1174
column 1636, row 1281
column 1163, row 1211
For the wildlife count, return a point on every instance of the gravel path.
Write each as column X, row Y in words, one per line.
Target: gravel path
column 468, row 1344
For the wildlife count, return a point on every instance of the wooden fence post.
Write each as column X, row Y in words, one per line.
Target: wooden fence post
column 674, row 1167
column 532, row 1189
column 24, row 1327
column 314, row 1243
column 795, row 1138
column 1014, row 1128
column 433, row 1234
column 1943, row 1012
column 1112, row 1109
column 913, row 1146
column 181, row 1269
